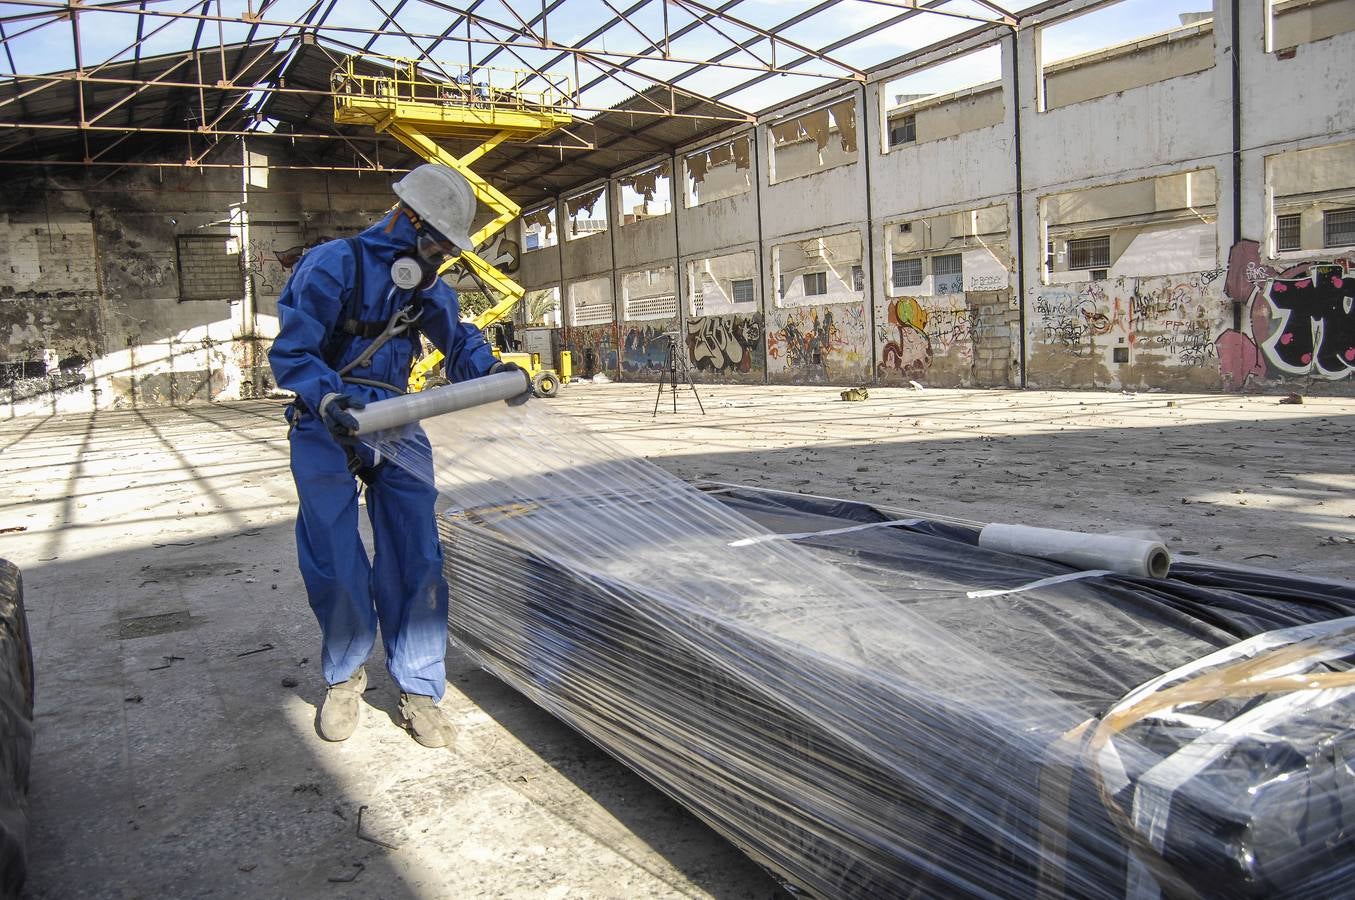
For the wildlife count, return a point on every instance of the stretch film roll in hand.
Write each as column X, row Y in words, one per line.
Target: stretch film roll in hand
column 1125, row 555
column 407, row 408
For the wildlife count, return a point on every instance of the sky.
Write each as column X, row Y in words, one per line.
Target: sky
column 36, row 47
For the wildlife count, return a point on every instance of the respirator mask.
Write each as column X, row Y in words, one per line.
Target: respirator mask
column 418, row 268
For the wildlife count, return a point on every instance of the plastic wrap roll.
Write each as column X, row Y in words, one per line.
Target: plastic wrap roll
column 1125, row 555
column 407, row 408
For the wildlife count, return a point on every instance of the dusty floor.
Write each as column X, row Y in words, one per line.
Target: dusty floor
column 177, row 682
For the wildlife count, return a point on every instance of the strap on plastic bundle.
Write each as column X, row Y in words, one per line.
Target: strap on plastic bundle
column 1240, row 679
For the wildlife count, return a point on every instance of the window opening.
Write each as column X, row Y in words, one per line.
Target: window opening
column 1153, row 226
column 1312, row 193
column 948, row 253
column 818, row 270
column 538, row 228
column 961, row 94
column 646, row 194
column 587, row 212
column 590, row 302
column 722, row 285
column 717, row 172
column 649, row 294
column 814, row 141
column 1293, row 22
column 1123, row 45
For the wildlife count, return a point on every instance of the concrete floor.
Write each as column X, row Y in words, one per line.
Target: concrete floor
column 176, row 657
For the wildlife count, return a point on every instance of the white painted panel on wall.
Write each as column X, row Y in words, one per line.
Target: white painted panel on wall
column 1172, row 250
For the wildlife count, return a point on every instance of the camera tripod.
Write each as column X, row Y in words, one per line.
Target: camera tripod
column 677, row 360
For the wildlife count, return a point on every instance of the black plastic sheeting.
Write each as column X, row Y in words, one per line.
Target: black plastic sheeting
column 847, row 785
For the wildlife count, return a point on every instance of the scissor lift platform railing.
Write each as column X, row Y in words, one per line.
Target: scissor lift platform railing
column 490, row 106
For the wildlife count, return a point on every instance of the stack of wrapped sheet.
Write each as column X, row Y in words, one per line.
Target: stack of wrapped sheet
column 800, row 726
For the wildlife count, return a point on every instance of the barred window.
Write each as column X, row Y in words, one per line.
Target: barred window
column 950, row 264
column 1287, row 233
column 907, row 272
column 1338, row 227
column 741, row 291
column 1089, row 253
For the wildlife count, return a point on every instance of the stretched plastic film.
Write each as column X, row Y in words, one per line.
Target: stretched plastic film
column 1126, row 555
column 876, row 707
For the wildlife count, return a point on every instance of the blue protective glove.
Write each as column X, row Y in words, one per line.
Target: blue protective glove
column 334, row 412
column 505, row 366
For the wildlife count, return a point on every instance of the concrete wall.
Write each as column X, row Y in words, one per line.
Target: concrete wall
column 91, row 314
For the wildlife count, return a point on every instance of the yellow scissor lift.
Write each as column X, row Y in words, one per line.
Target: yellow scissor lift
column 401, row 98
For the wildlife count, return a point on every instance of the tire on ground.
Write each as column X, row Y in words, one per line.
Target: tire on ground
column 545, row 384
column 16, row 727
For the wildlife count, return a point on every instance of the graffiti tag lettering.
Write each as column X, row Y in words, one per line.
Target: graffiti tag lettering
column 724, row 344
column 1317, row 334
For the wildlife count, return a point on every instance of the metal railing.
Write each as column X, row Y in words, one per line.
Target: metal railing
column 446, row 84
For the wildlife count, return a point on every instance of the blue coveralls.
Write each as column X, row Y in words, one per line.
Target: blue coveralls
column 402, row 588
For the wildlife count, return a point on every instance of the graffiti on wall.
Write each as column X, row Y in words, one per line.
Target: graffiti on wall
column 1301, row 317
column 939, row 337
column 819, row 343
column 907, row 349
column 1298, row 320
column 645, row 348
column 1316, row 329
column 1170, row 320
column 594, row 348
column 726, row 345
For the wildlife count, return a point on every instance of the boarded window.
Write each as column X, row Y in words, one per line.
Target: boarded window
column 587, row 212
column 1305, row 186
column 1123, row 45
column 817, row 270
column 649, row 294
column 1294, row 22
column 961, row 94
column 719, row 171
column 538, row 228
column 209, row 267
column 814, row 141
column 1153, row 226
column 590, row 302
column 647, row 193
column 947, row 253
column 721, row 285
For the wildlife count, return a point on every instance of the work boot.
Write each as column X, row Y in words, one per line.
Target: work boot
column 426, row 721
column 339, row 715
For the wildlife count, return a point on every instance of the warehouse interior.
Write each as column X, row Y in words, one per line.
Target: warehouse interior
column 1083, row 262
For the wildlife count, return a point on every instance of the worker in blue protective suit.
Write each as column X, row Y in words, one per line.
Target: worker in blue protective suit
column 350, row 319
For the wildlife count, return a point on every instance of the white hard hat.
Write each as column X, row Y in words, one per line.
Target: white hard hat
column 443, row 199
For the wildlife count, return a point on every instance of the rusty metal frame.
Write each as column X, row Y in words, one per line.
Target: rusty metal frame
column 219, row 105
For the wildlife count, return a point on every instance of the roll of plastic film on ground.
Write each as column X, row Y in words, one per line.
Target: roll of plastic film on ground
column 1125, row 555
column 864, row 730
column 409, row 408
